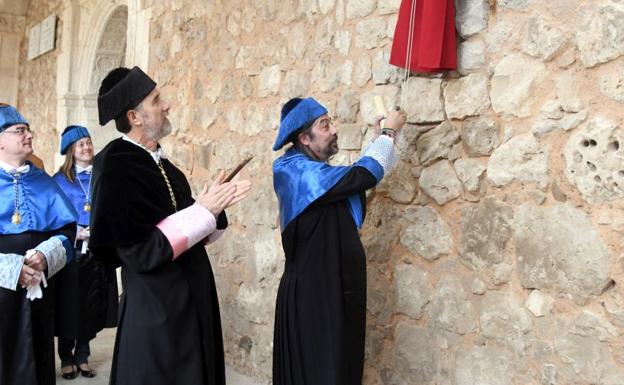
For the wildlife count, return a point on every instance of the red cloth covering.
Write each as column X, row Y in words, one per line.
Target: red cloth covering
column 433, row 42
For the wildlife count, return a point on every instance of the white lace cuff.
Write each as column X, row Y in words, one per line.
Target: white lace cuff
column 382, row 150
column 55, row 254
column 10, row 269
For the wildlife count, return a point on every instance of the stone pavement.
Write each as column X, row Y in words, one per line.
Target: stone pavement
column 100, row 361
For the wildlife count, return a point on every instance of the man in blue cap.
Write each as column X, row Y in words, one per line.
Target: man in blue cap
column 320, row 317
column 37, row 227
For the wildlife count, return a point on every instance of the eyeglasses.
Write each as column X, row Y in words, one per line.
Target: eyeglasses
column 18, row 131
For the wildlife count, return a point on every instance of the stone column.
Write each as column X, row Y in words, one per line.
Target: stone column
column 11, row 32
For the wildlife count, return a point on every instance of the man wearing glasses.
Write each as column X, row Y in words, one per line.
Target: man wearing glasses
column 37, row 227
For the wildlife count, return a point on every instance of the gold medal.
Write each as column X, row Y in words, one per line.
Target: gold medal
column 16, row 219
column 87, row 207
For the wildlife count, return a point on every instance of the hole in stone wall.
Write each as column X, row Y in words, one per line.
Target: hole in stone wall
column 614, row 146
column 591, row 166
column 598, row 179
column 578, row 157
column 609, row 286
column 585, row 143
column 592, row 143
column 615, row 185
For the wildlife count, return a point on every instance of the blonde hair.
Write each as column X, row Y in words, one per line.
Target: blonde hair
column 67, row 168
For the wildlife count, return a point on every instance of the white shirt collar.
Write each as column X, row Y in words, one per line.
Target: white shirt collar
column 12, row 170
column 88, row 169
column 156, row 155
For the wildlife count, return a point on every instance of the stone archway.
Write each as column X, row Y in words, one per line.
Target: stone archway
column 110, row 53
column 96, row 38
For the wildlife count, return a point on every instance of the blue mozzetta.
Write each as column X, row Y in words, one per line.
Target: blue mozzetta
column 75, row 193
column 72, row 134
column 304, row 113
column 299, row 181
column 42, row 204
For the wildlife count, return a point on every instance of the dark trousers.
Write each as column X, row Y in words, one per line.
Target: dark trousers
column 80, row 353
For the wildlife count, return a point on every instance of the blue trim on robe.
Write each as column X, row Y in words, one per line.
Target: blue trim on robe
column 42, row 204
column 299, row 181
column 75, row 194
column 69, row 248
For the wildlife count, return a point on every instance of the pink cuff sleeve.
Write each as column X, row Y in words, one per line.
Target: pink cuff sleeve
column 215, row 236
column 187, row 227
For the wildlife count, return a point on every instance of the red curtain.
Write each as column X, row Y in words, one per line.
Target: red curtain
column 433, row 43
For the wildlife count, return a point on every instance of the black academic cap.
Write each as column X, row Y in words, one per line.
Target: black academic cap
column 122, row 89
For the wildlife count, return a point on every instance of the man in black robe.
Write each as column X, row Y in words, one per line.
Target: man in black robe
column 320, row 316
column 37, row 229
column 145, row 220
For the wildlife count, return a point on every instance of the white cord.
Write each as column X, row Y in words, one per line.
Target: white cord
column 408, row 56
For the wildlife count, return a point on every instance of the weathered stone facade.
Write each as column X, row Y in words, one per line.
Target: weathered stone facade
column 493, row 247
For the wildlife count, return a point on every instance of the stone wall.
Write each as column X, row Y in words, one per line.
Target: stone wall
column 11, row 32
column 37, row 83
column 493, row 247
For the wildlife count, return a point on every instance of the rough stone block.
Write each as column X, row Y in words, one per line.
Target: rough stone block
column 440, row 182
column 424, row 103
column 269, row 81
column 350, row 137
column 504, row 319
column 471, row 56
column 471, row 16
column 480, row 135
column 482, row 365
column 521, row 159
column 539, row 303
column 469, row 172
column 542, row 40
column 369, row 33
column 412, row 290
column 486, row 229
column 360, row 8
column 569, row 256
column 450, row 307
column 426, row 234
column 437, row 143
column 593, row 160
column 599, row 35
column 515, row 77
column 466, row 96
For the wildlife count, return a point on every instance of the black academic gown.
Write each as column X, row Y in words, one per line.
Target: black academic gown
column 169, row 325
column 86, row 291
column 27, row 327
column 320, row 318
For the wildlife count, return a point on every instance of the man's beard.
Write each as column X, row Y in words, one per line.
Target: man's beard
column 155, row 133
column 332, row 148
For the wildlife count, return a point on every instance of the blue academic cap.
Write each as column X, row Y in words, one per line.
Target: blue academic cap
column 296, row 114
column 72, row 134
column 9, row 116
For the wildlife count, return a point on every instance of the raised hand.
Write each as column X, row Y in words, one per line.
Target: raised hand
column 395, row 119
column 221, row 195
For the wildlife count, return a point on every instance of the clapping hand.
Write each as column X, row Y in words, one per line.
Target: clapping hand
column 221, row 195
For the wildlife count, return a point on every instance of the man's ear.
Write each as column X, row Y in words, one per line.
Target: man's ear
column 304, row 138
column 133, row 118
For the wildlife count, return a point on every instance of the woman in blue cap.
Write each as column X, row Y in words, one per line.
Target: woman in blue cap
column 83, row 290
